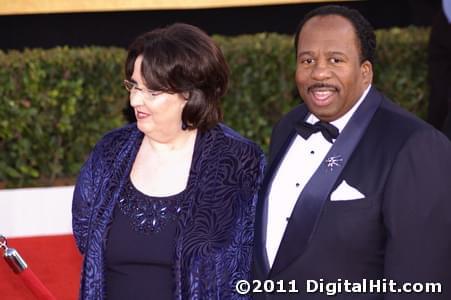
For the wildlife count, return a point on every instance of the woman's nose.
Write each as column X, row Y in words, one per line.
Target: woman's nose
column 136, row 99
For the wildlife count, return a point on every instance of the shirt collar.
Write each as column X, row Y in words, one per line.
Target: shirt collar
column 341, row 122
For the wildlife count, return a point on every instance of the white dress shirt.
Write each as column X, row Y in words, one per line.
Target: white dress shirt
column 298, row 165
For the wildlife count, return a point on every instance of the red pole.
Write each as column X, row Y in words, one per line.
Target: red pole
column 35, row 285
column 20, row 267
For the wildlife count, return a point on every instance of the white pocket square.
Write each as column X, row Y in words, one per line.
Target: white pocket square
column 346, row 192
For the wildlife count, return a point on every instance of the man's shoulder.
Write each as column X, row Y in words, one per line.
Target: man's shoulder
column 287, row 121
column 399, row 127
column 295, row 113
column 396, row 118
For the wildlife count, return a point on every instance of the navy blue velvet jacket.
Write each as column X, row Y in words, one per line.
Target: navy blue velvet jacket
column 215, row 227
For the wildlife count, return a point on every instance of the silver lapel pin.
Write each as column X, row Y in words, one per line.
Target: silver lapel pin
column 333, row 161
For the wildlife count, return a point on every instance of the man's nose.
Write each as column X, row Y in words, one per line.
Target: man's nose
column 321, row 71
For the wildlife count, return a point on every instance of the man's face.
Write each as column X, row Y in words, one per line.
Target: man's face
column 329, row 75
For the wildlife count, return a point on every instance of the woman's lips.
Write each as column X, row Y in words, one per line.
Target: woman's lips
column 141, row 115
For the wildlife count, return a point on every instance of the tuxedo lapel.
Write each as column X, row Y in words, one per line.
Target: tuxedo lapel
column 261, row 256
column 307, row 210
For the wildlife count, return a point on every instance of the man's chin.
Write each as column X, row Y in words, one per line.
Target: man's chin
column 325, row 113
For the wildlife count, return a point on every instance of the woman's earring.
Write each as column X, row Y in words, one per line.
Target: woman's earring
column 184, row 125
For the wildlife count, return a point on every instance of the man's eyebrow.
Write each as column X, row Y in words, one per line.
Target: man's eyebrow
column 336, row 53
column 305, row 53
column 328, row 53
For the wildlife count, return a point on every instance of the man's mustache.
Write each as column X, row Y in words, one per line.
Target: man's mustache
column 322, row 85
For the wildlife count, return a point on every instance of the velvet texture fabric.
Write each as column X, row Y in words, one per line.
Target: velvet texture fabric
column 215, row 227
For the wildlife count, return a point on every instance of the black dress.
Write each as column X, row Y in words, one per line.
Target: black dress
column 140, row 247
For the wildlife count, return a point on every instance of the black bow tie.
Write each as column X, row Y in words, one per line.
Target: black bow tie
column 329, row 131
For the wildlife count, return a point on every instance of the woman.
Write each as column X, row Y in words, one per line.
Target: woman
column 164, row 208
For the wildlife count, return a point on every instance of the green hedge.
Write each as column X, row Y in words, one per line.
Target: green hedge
column 401, row 67
column 55, row 104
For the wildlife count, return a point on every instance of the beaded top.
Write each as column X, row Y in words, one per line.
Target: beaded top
column 148, row 214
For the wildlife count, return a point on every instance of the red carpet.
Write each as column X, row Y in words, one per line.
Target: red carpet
column 54, row 259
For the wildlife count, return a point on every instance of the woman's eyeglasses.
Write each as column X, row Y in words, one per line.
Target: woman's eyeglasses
column 132, row 87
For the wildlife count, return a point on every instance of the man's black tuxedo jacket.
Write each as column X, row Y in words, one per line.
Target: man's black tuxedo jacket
column 400, row 231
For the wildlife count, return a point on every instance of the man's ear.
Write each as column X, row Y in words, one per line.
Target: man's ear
column 367, row 72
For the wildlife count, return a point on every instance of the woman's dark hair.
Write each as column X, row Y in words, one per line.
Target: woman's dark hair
column 363, row 29
column 181, row 58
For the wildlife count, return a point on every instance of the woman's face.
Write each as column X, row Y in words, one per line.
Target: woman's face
column 158, row 114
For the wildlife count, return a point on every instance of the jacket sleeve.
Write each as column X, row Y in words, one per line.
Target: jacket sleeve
column 417, row 215
column 82, row 204
column 252, row 169
column 253, row 166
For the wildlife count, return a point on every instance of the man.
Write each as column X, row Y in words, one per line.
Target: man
column 439, row 110
column 364, row 194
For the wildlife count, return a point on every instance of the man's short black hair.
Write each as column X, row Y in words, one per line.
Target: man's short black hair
column 363, row 29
